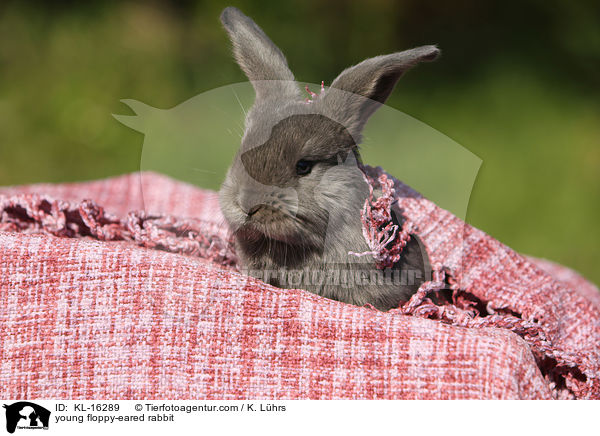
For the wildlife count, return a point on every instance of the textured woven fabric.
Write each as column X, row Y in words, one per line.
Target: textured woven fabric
column 140, row 298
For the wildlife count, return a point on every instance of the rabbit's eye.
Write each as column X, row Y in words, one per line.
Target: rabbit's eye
column 303, row 167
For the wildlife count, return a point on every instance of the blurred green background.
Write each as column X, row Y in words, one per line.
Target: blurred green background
column 518, row 85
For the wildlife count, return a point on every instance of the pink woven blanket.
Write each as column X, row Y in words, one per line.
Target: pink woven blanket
column 108, row 295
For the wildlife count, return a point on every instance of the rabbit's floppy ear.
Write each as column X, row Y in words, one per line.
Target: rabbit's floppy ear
column 368, row 85
column 258, row 57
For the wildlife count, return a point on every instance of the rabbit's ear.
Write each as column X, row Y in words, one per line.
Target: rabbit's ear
column 368, row 85
column 259, row 58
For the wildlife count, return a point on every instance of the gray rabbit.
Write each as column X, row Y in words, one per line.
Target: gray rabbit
column 294, row 193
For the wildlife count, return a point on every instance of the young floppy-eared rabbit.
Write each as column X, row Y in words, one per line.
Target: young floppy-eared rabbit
column 294, row 193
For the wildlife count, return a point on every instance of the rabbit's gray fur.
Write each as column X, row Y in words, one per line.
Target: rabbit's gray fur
column 285, row 223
